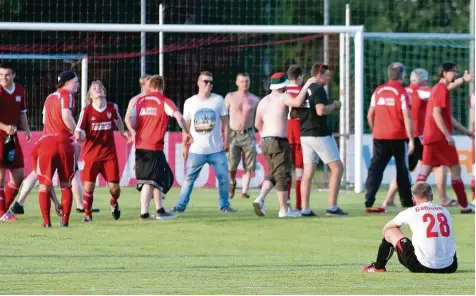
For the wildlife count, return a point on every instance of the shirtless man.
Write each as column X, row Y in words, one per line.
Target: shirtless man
column 271, row 122
column 241, row 106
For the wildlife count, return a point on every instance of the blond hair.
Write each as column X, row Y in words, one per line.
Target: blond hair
column 144, row 79
column 422, row 190
column 89, row 100
column 156, row 82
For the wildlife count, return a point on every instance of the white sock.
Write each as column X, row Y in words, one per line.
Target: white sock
column 306, row 212
column 259, row 199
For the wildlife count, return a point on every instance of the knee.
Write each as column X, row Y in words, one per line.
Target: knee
column 283, row 181
column 115, row 190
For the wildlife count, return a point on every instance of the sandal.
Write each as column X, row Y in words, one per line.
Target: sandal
column 450, row 203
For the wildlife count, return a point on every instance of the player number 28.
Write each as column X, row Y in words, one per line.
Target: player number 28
column 443, row 223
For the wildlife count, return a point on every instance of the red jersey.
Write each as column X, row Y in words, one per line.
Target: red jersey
column 439, row 97
column 98, row 125
column 52, row 118
column 294, row 124
column 419, row 99
column 151, row 123
column 12, row 105
column 389, row 101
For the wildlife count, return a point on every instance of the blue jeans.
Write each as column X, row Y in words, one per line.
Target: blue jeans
column 195, row 162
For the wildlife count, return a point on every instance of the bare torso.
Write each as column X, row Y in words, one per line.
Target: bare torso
column 241, row 109
column 275, row 115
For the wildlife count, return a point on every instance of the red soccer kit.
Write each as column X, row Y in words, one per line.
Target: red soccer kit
column 389, row 100
column 99, row 148
column 436, row 150
column 12, row 106
column 419, row 100
column 52, row 110
column 294, row 130
column 53, row 153
column 152, row 111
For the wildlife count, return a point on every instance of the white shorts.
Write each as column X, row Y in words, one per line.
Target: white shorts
column 324, row 148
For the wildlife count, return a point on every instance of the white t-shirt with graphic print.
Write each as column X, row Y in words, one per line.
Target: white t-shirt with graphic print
column 205, row 116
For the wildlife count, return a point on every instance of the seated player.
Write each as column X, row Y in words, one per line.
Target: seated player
column 96, row 129
column 54, row 153
column 432, row 248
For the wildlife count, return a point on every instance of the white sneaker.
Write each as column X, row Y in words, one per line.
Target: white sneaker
column 258, row 206
column 290, row 214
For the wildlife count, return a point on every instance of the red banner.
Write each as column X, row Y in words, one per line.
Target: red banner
column 173, row 152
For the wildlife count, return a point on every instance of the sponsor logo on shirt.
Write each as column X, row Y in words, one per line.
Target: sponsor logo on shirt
column 18, row 99
column 101, row 126
column 151, row 111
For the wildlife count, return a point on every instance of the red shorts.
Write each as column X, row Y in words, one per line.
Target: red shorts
column 440, row 154
column 53, row 154
column 296, row 156
column 294, row 131
column 17, row 161
column 109, row 169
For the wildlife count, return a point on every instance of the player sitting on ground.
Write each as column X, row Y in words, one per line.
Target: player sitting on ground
column 433, row 249
column 95, row 128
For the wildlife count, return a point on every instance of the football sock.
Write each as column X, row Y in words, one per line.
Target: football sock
column 385, row 252
column 66, row 202
column 298, row 194
column 10, row 193
column 45, row 206
column 458, row 187
column 2, row 202
column 88, row 199
column 114, row 198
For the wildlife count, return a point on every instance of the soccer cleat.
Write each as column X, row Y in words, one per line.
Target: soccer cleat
column 310, row 214
column 376, row 211
column 17, row 209
column 165, row 216
column 64, row 224
column 87, row 219
column 336, row 213
column 372, row 268
column 116, row 211
column 46, row 225
column 232, row 190
column 228, row 210
column 245, row 196
column 468, row 210
column 8, row 217
column 258, row 206
column 289, row 214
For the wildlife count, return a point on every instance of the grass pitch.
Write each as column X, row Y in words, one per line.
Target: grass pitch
column 205, row 251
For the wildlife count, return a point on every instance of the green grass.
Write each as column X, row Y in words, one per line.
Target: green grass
column 208, row 252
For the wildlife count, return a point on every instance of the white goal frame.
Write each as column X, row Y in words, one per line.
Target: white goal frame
column 356, row 32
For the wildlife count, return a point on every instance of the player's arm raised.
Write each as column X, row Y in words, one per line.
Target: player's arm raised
column 467, row 77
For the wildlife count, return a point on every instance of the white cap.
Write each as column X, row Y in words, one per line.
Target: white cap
column 418, row 75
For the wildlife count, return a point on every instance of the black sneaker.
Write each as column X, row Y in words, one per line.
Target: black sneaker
column 64, row 224
column 17, row 209
column 311, row 214
column 336, row 213
column 116, row 211
column 87, row 219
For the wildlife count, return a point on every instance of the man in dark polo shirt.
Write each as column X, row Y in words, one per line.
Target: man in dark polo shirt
column 318, row 143
column 390, row 119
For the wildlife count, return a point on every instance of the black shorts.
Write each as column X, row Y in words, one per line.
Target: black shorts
column 416, row 155
column 152, row 168
column 407, row 257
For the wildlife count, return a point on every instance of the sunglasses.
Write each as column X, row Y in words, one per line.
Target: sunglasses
column 208, row 81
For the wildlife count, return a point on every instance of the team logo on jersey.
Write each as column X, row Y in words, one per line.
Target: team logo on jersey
column 18, row 99
column 109, row 115
column 93, row 118
column 148, row 111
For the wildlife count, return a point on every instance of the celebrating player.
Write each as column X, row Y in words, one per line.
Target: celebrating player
column 432, row 248
column 439, row 145
column 12, row 112
column 95, row 128
column 153, row 173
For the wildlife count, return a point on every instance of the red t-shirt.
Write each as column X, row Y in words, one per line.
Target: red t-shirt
column 152, row 111
column 389, row 101
column 419, row 99
column 439, row 97
column 99, row 128
column 12, row 105
column 52, row 118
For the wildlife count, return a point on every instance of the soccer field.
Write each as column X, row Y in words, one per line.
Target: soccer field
column 205, row 251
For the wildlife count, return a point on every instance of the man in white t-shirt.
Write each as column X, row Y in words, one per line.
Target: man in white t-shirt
column 432, row 248
column 207, row 118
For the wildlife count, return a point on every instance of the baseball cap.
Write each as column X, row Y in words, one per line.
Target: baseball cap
column 65, row 77
column 278, row 80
